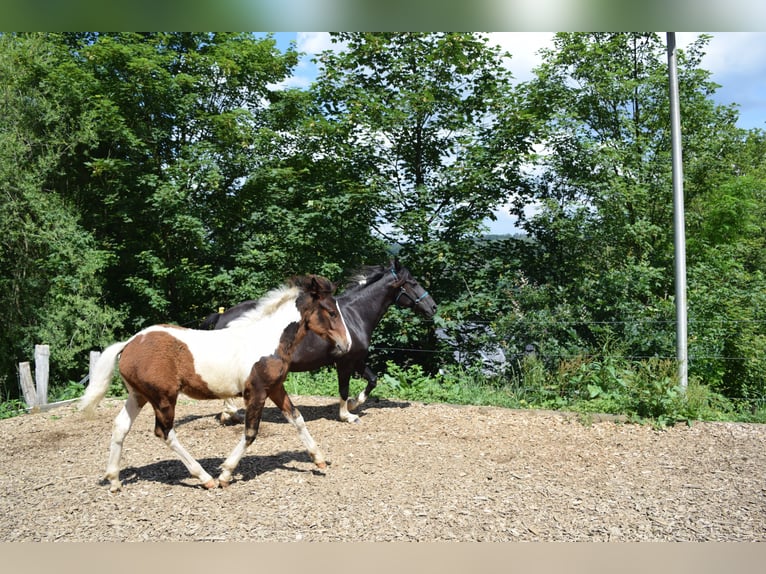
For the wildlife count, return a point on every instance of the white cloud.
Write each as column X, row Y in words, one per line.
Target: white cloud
column 313, row 42
column 727, row 53
column 523, row 48
column 730, row 53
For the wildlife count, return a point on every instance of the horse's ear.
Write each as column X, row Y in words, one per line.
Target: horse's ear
column 396, row 264
column 314, row 287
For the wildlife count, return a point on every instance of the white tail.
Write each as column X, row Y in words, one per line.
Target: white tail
column 101, row 377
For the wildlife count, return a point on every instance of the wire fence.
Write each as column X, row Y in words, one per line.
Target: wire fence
column 671, row 354
column 706, row 347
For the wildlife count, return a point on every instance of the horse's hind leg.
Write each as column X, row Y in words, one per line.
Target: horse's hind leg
column 293, row 415
column 359, row 400
column 230, row 412
column 164, row 429
column 189, row 461
column 121, row 427
column 345, row 370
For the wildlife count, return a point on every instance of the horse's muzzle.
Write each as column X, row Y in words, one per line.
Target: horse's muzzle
column 342, row 347
column 430, row 309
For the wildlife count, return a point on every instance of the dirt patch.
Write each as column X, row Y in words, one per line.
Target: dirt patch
column 408, row 471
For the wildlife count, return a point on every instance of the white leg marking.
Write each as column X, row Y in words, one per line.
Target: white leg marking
column 348, row 333
column 232, row 461
column 189, row 461
column 344, row 415
column 230, row 411
column 306, row 438
column 355, row 403
column 122, row 423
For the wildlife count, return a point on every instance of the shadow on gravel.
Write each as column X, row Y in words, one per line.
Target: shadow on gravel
column 329, row 411
column 174, row 473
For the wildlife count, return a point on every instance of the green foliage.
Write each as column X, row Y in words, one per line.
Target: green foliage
column 152, row 177
column 645, row 391
column 727, row 287
column 457, row 386
column 11, row 408
column 50, row 266
column 67, row 392
column 323, row 382
column 429, row 120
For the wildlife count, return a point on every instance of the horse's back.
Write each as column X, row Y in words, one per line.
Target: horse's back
column 206, row 364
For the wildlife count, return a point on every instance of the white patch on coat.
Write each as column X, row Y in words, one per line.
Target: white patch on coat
column 348, row 332
column 225, row 357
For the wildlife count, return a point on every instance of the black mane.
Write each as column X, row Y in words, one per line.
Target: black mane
column 366, row 275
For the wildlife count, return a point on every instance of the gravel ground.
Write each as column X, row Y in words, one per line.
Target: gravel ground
column 408, row 472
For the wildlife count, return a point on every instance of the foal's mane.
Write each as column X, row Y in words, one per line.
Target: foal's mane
column 267, row 305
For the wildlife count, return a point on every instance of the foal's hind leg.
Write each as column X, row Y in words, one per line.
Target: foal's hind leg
column 121, row 427
column 163, row 428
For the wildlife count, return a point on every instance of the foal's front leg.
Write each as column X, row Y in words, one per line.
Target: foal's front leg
column 293, row 415
column 255, row 398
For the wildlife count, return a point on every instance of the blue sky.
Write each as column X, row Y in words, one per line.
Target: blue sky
column 737, row 61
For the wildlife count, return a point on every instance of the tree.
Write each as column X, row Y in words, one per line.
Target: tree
column 727, row 286
column 601, row 251
column 310, row 210
column 430, row 122
column 181, row 120
column 603, row 225
column 420, row 113
column 50, row 266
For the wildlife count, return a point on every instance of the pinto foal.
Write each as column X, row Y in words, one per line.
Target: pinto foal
column 250, row 359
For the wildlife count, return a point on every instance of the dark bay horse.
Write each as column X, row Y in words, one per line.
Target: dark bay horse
column 366, row 298
column 251, row 359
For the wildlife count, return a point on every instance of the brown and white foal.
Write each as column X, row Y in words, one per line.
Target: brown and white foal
column 250, row 359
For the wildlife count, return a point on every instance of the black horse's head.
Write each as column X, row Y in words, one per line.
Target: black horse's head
column 411, row 294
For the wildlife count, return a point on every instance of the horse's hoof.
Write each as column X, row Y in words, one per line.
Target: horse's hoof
column 210, row 484
column 350, row 419
column 227, row 419
column 321, row 464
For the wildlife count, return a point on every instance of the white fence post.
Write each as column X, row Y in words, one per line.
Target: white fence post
column 35, row 390
column 42, row 357
column 27, row 385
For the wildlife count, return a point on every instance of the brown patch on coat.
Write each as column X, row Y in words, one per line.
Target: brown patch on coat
column 157, row 367
column 158, row 363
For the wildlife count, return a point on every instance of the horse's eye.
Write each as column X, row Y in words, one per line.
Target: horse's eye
column 333, row 314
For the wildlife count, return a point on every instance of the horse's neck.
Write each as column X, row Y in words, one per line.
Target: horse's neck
column 371, row 302
column 301, row 330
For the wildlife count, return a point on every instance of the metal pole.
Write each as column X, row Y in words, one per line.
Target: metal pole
column 679, row 237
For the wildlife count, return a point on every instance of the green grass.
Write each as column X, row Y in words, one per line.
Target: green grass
column 643, row 391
